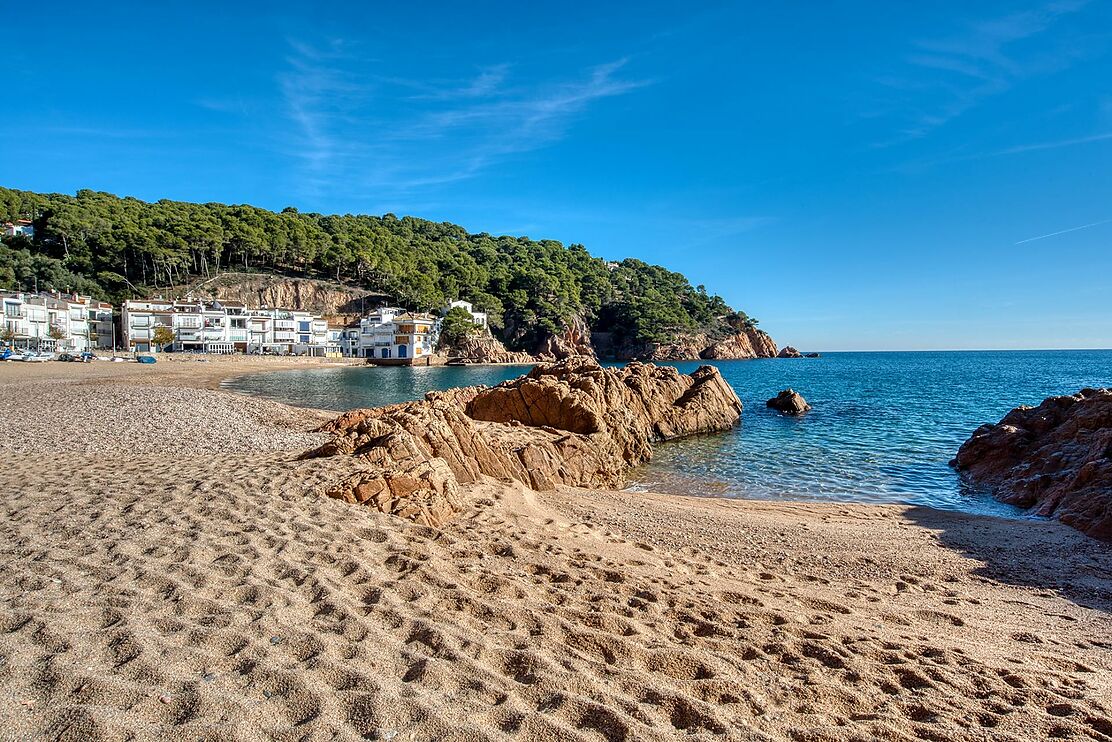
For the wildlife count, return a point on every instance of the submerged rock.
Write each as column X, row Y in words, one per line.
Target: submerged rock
column 789, row 352
column 789, row 402
column 1055, row 459
column 573, row 423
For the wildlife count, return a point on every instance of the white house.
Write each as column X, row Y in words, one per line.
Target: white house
column 479, row 318
column 20, row 227
column 225, row 327
column 56, row 322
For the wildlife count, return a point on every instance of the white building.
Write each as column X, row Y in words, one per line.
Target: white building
column 479, row 318
column 392, row 335
column 224, row 327
column 20, row 227
column 56, row 322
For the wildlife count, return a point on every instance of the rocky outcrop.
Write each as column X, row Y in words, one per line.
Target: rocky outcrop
column 571, row 423
column 1055, row 459
column 789, row 402
column 752, row 343
column 789, row 352
column 574, row 341
column 484, row 349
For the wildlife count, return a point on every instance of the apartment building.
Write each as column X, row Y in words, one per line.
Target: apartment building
column 208, row 326
column 56, row 322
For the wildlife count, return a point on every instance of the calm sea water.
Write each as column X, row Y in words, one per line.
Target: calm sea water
column 883, row 428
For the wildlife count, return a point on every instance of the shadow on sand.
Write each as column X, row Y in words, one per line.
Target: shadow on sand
column 1031, row 552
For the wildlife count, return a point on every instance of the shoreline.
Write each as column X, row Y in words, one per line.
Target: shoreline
column 184, row 575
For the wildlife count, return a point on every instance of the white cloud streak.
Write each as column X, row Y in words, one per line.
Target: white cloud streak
column 362, row 131
column 1063, row 231
column 977, row 63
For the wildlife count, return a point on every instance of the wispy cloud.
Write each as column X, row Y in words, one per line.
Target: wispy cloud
column 358, row 129
column 949, row 75
column 1064, row 231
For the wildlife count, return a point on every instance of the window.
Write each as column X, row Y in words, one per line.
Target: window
column 303, row 327
column 239, row 324
column 303, row 338
column 11, row 310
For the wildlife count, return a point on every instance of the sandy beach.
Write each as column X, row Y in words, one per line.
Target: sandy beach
column 169, row 570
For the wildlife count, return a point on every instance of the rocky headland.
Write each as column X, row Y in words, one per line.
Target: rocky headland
column 749, row 343
column 1054, row 459
column 570, row 423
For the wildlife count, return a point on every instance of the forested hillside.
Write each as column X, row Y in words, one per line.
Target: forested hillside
column 116, row 248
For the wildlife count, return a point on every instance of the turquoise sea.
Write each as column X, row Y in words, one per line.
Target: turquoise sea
column 883, row 428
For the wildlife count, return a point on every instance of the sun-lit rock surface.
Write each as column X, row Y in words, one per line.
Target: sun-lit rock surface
column 572, row 423
column 1055, row 459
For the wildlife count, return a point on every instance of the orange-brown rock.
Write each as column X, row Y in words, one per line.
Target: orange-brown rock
column 485, row 349
column 752, row 343
column 571, row 423
column 1055, row 459
column 789, row 352
column 575, row 340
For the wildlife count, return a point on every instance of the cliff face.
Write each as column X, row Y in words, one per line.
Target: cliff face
column 748, row 344
column 574, row 341
column 322, row 297
column 1055, row 459
column 751, row 343
column 571, row 423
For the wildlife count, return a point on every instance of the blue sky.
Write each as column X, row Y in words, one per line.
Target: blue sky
column 861, row 175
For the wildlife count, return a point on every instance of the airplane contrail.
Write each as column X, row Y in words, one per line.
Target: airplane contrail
column 1071, row 229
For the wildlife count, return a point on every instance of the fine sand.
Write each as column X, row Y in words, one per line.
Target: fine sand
column 168, row 570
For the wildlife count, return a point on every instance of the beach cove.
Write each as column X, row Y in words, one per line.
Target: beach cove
column 172, row 569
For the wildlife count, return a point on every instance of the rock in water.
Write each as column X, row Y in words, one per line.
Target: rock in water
column 573, row 423
column 790, row 402
column 1055, row 459
column 789, row 352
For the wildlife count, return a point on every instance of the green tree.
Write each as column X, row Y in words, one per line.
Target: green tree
column 163, row 336
column 457, row 326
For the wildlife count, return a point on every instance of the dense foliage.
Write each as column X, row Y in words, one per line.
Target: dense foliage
column 116, row 248
column 457, row 326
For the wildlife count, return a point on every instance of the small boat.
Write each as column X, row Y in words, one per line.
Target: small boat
column 146, row 359
column 33, row 357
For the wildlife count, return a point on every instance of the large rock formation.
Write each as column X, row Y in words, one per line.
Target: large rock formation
column 1055, row 459
column 571, row 423
column 574, row 341
column 789, row 352
column 789, row 402
column 484, row 349
column 752, row 343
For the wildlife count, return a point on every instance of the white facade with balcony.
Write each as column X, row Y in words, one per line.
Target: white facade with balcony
column 225, row 327
column 56, row 322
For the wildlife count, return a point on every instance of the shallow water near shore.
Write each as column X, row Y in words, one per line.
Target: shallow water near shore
column 883, row 428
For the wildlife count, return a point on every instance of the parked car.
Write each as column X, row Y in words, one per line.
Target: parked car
column 146, row 359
